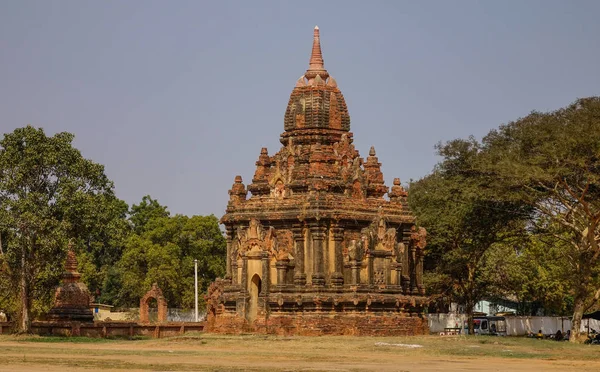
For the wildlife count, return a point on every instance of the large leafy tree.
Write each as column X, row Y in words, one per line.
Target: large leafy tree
column 464, row 219
column 551, row 162
column 164, row 253
column 49, row 193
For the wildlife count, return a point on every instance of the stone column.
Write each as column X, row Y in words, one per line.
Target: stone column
column 370, row 269
column 419, row 271
column 244, row 274
column 281, row 266
column 355, row 272
column 400, row 248
column 229, row 237
column 413, row 269
column 234, row 270
column 266, row 280
column 337, row 278
column 318, row 235
column 299, row 274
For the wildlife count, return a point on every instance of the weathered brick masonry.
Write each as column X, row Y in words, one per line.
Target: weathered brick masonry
column 317, row 248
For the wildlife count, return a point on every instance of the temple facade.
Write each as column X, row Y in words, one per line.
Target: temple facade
column 317, row 243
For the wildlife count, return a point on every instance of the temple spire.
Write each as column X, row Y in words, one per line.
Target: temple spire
column 316, row 64
column 316, row 57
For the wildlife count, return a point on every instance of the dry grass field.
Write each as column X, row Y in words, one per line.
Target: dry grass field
column 205, row 352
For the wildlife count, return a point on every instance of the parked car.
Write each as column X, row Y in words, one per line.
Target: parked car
column 488, row 325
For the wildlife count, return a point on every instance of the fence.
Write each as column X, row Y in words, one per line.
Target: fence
column 173, row 315
column 515, row 325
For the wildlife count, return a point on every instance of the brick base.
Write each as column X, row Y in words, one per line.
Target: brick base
column 318, row 324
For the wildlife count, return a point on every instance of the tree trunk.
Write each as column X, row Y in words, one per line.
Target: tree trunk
column 25, row 326
column 470, row 321
column 577, row 315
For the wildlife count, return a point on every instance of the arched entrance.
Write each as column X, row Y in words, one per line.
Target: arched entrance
column 156, row 294
column 255, row 285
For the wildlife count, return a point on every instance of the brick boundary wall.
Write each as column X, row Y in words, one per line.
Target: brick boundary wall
column 108, row 329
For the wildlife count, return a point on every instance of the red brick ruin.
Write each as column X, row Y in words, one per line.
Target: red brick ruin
column 72, row 297
column 154, row 293
column 317, row 248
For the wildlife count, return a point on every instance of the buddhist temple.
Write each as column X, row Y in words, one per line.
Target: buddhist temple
column 317, row 243
column 72, row 297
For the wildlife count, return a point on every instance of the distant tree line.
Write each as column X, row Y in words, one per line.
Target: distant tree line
column 518, row 214
column 50, row 195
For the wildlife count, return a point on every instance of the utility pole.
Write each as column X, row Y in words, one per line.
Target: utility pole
column 196, row 289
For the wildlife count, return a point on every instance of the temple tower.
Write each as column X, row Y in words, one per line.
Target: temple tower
column 314, row 246
column 72, row 297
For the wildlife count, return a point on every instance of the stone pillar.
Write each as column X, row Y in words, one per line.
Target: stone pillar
column 266, row 280
column 413, row 269
column 318, row 235
column 397, row 268
column 337, row 278
column 370, row 269
column 244, row 274
column 299, row 274
column 355, row 272
column 229, row 236
column 419, row 272
column 234, row 270
column 281, row 266
column 400, row 248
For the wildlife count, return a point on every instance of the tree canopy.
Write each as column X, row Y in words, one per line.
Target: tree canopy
column 551, row 162
column 536, row 180
column 164, row 254
column 464, row 219
column 49, row 193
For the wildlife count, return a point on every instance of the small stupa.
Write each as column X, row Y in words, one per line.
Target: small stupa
column 72, row 298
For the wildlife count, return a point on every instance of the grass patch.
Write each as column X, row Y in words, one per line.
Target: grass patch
column 209, row 352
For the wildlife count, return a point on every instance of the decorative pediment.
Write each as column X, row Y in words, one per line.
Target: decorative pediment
column 256, row 238
column 379, row 237
column 418, row 237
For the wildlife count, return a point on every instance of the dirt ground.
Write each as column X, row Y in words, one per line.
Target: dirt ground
column 258, row 353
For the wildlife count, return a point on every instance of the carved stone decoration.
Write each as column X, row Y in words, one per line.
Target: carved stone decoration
column 213, row 298
column 418, row 239
column 285, row 245
column 379, row 237
column 355, row 250
column 255, row 238
column 154, row 293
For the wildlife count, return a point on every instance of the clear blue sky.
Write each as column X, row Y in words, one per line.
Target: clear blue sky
column 177, row 97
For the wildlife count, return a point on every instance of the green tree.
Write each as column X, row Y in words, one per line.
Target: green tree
column 164, row 254
column 148, row 209
column 532, row 272
column 464, row 220
column 48, row 193
column 551, row 162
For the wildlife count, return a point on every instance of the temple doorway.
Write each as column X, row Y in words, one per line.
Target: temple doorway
column 255, row 285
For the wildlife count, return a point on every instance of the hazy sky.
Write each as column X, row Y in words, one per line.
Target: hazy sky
column 177, row 97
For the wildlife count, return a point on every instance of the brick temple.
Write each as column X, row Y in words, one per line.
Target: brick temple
column 317, row 243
